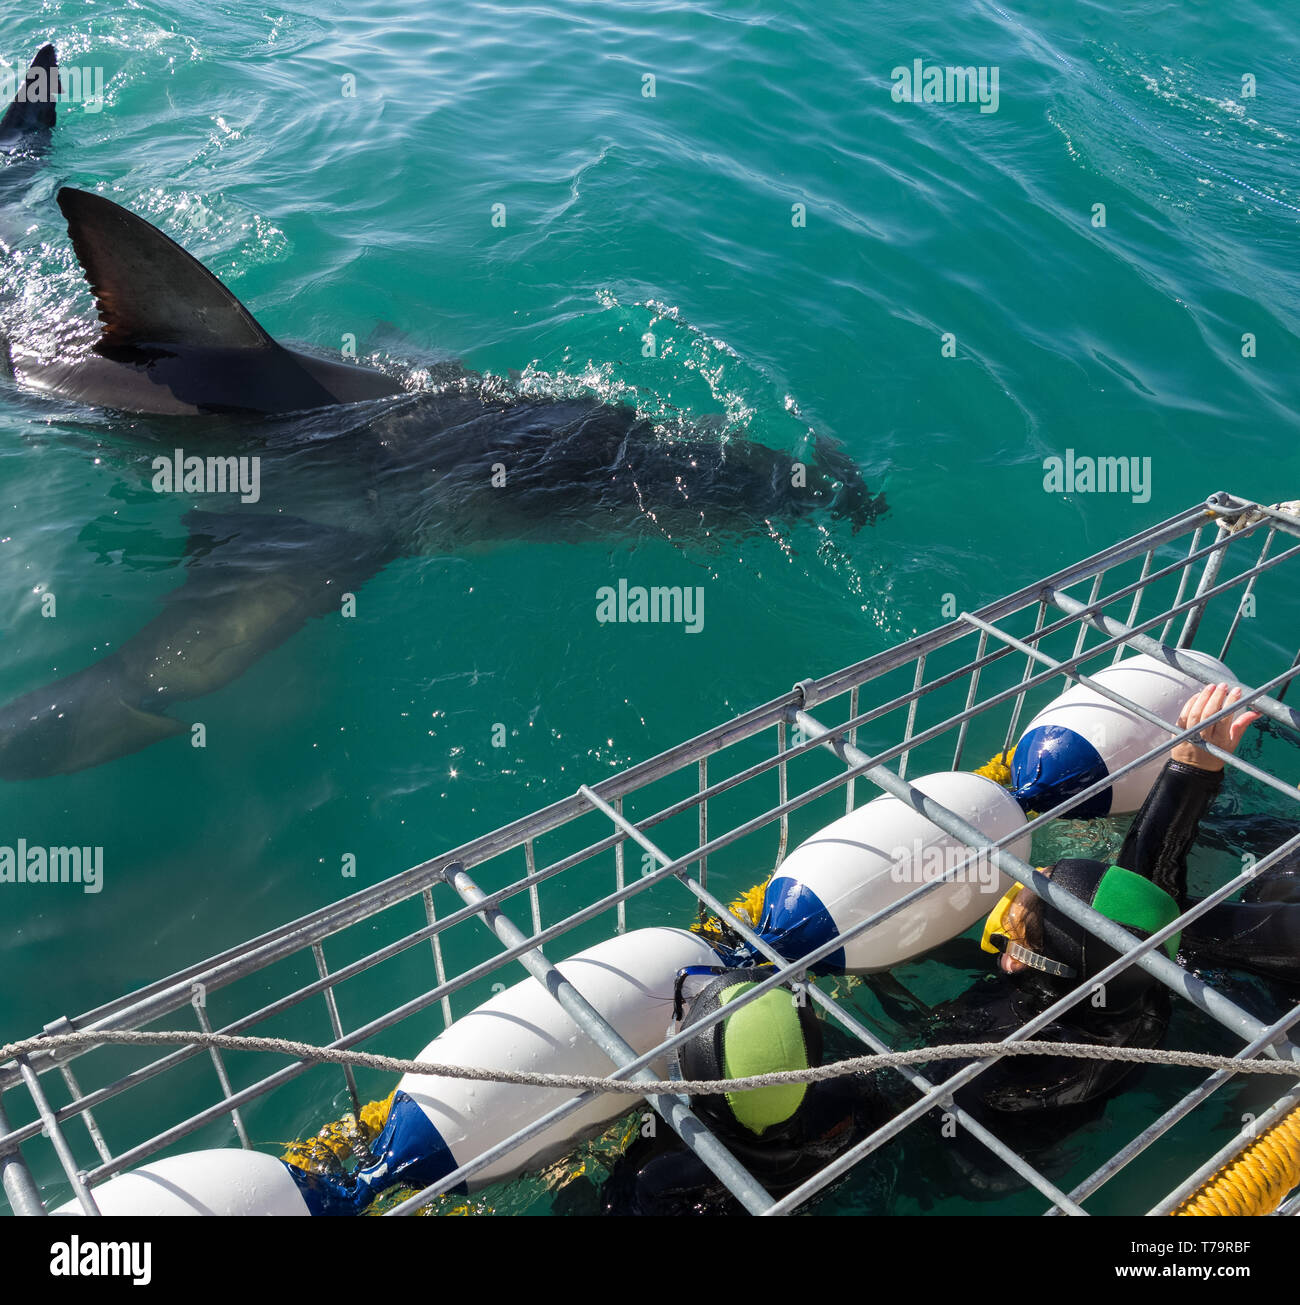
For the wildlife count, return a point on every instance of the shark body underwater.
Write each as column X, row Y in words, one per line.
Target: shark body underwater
column 395, row 474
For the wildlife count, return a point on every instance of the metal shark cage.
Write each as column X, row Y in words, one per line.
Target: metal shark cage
column 648, row 842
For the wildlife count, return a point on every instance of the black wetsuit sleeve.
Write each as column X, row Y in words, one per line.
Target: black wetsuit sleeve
column 1165, row 829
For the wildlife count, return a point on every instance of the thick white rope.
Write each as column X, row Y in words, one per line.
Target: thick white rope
column 305, row 1051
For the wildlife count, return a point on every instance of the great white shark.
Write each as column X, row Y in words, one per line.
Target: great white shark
column 395, row 474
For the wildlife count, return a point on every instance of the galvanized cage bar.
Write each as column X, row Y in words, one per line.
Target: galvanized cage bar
column 917, row 681
column 1183, row 573
column 853, row 738
column 1138, row 591
column 1209, row 574
column 701, row 788
column 1025, row 678
column 223, row 1079
column 50, row 1126
column 435, row 942
column 62, row 1025
column 980, row 649
column 534, row 899
column 1247, row 594
column 336, row 1027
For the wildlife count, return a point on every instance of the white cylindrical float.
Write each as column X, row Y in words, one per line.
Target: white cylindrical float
column 1081, row 737
column 221, row 1182
column 867, row 860
column 436, row 1124
column 628, row 979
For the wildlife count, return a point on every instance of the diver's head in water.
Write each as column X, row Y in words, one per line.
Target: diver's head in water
column 1035, row 936
column 774, row 1032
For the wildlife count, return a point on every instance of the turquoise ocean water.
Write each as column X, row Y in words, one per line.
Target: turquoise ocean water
column 626, row 214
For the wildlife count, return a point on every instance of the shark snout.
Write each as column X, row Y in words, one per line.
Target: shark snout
column 856, row 504
column 852, row 500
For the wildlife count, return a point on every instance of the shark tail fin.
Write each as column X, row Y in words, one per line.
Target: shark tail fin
column 33, row 107
column 147, row 289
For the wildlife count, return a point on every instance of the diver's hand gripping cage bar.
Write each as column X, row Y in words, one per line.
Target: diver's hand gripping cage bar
column 705, row 807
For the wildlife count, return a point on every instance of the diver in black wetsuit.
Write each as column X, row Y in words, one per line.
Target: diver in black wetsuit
column 1045, row 955
column 1260, row 933
column 782, row 1135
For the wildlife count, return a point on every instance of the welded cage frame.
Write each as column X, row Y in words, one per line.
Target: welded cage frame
column 1217, row 550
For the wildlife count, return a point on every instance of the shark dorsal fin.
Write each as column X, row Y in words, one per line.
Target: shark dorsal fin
column 147, row 289
column 33, row 107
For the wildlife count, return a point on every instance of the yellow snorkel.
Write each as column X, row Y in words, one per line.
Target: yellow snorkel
column 993, row 925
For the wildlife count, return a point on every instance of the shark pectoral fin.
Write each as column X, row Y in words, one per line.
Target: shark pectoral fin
column 33, row 108
column 81, row 720
column 116, row 729
column 251, row 582
column 146, row 727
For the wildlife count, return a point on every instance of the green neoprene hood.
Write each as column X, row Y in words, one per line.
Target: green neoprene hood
column 1131, row 900
column 761, row 1038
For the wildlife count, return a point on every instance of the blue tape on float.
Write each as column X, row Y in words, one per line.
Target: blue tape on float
column 411, row 1154
column 324, row 1194
column 1051, row 764
column 795, row 921
column 410, row 1150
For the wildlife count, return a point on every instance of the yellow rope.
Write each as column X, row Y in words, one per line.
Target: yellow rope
column 336, row 1142
column 1257, row 1181
column 998, row 769
column 747, row 907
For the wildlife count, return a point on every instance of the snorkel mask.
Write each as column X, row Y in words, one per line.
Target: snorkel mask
column 995, row 939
